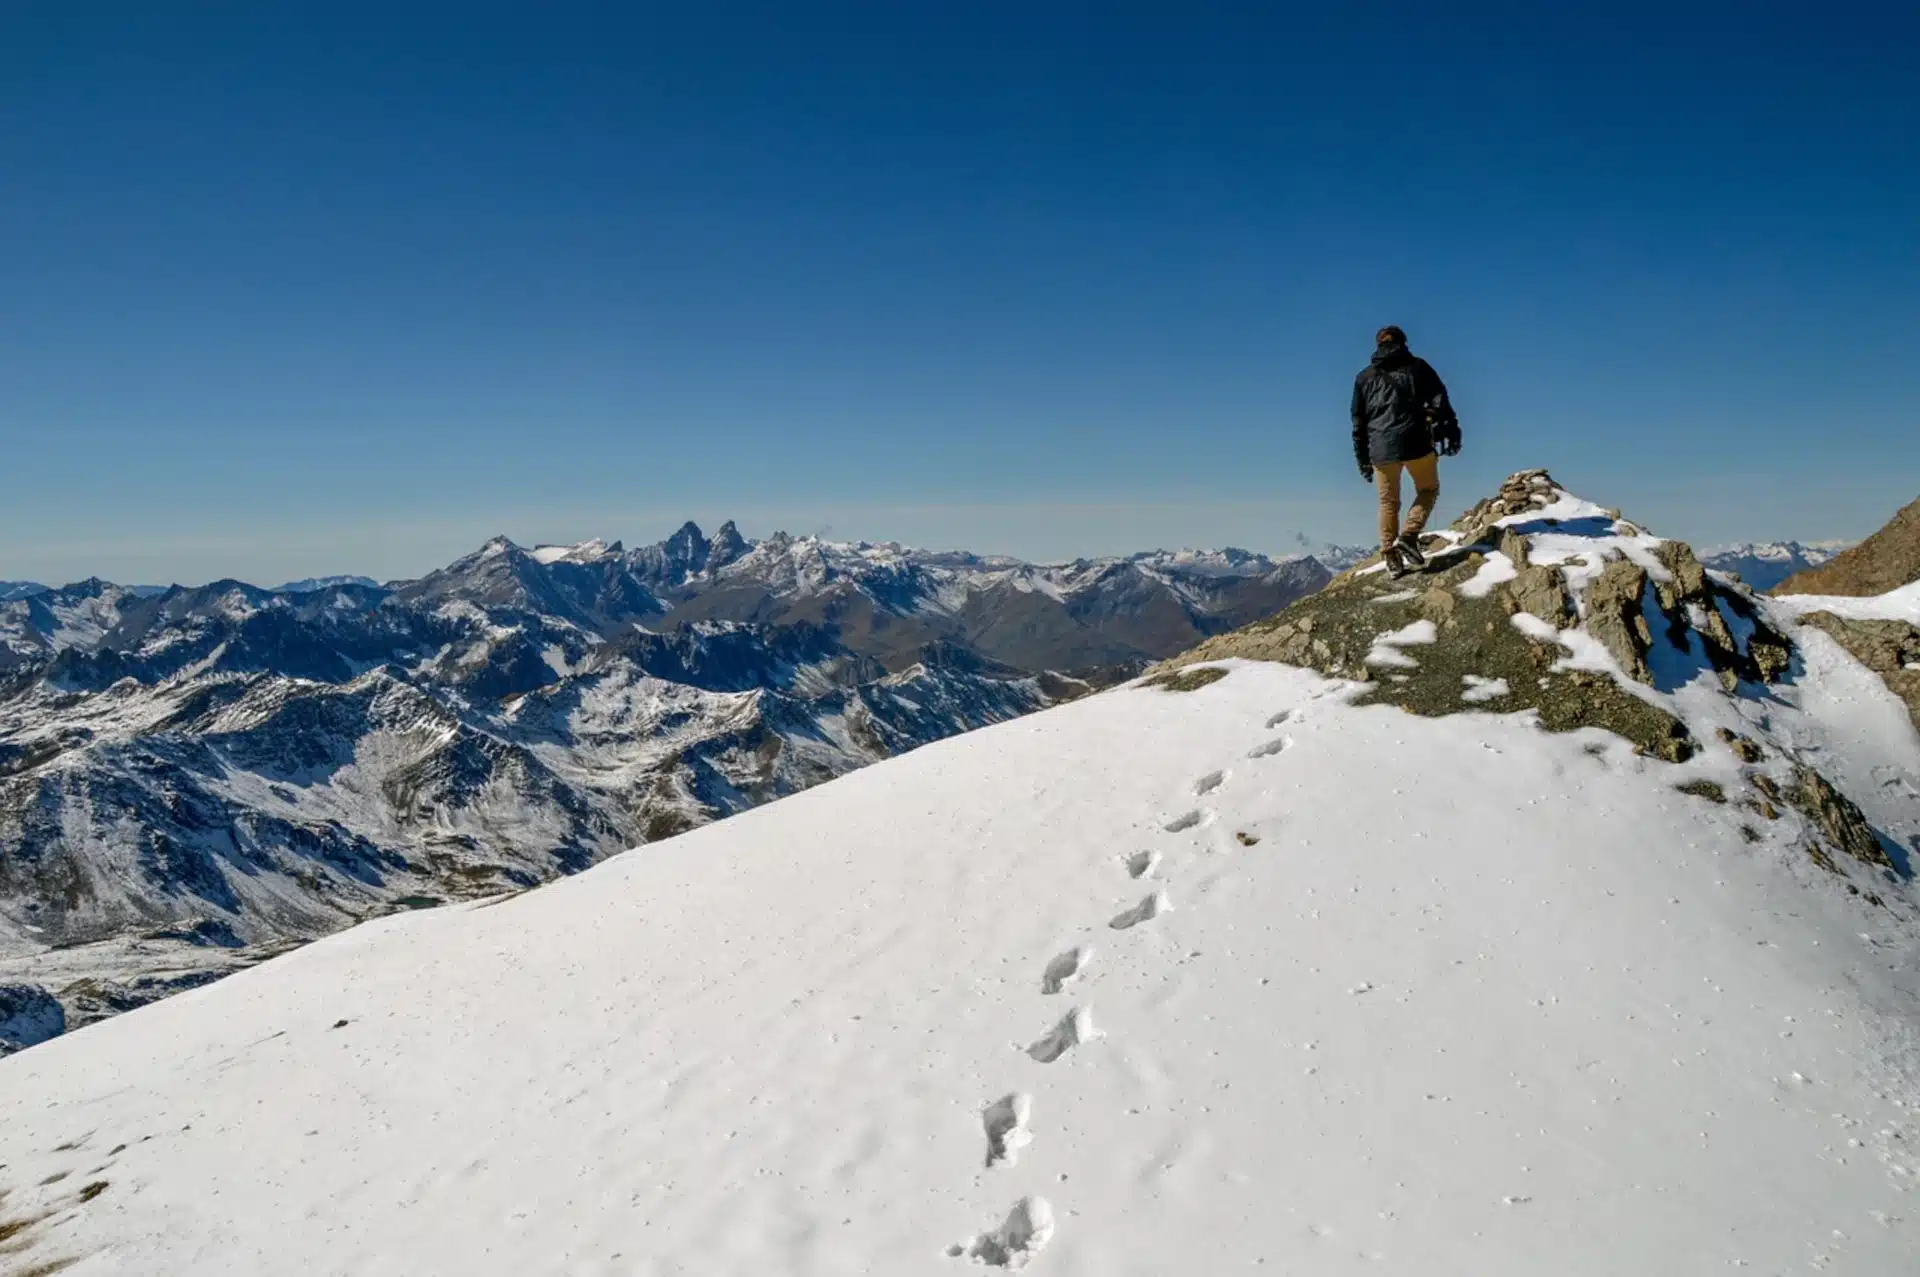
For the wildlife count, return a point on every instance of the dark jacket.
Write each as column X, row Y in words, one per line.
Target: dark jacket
column 1398, row 400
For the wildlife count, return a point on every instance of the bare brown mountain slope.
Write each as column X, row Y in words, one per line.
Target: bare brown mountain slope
column 1887, row 560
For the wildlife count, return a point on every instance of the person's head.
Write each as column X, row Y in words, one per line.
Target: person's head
column 1390, row 336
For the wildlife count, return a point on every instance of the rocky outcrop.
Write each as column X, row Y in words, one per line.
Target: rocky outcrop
column 1887, row 560
column 1523, row 492
column 1836, row 816
column 1659, row 596
column 1338, row 631
column 1616, row 615
column 1524, row 639
column 1541, row 591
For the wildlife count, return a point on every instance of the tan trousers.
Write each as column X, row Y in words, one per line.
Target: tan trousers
column 1426, row 490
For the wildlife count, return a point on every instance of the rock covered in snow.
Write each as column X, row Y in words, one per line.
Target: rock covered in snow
column 1585, row 620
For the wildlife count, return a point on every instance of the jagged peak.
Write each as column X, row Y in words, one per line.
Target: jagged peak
column 727, row 546
column 497, row 544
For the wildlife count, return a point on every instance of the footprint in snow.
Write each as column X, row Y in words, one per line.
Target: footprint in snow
column 1284, row 716
column 1147, row 910
column 1075, row 1027
column 1271, row 748
column 1185, row 821
column 1209, row 782
column 1141, row 864
column 1065, row 968
column 1005, row 1122
column 1028, row 1229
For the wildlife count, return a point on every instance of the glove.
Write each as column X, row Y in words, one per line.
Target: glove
column 1366, row 472
column 1446, row 439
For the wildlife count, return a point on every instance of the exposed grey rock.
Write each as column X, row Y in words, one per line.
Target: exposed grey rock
column 1437, row 605
column 1514, row 546
column 1616, row 618
column 29, row 1015
column 1540, row 590
column 1836, row 816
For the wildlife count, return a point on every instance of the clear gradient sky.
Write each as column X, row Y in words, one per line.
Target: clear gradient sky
column 289, row 289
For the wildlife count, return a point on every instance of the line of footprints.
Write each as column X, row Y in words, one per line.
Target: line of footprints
column 1007, row 1122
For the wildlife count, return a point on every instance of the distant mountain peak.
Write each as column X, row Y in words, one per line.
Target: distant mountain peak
column 727, row 546
column 590, row 551
column 1764, row 564
column 315, row 584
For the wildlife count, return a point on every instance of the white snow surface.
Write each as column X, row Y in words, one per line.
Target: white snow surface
column 1902, row 604
column 1481, row 689
column 1601, row 1032
column 1386, row 647
column 1496, row 570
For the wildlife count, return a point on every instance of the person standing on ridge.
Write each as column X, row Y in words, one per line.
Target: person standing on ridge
column 1402, row 421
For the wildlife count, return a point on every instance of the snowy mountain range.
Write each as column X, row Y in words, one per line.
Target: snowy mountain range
column 1765, row 564
column 307, row 585
column 1552, row 911
column 193, row 779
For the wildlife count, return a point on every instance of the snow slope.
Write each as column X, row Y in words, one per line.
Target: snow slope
column 1902, row 604
column 1336, row 989
column 283, row 763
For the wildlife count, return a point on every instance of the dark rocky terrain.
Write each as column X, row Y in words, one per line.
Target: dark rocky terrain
column 1887, row 560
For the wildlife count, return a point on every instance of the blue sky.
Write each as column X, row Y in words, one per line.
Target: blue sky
column 289, row 289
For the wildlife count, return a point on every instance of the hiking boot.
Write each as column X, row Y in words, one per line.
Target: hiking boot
column 1396, row 562
column 1410, row 551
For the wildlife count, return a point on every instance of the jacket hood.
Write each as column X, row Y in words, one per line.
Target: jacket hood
column 1391, row 355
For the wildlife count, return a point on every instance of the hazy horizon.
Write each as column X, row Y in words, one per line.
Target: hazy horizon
column 296, row 292
column 403, row 552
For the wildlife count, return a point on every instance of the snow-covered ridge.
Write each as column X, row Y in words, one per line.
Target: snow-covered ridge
column 1902, row 604
column 1249, row 977
column 596, row 584
column 309, row 585
column 277, row 764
